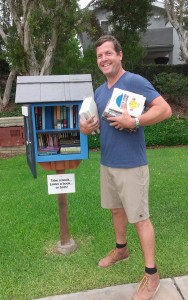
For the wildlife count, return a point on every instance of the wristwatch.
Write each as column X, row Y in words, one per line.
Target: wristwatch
column 137, row 123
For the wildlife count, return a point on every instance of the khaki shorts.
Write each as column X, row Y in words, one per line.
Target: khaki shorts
column 128, row 189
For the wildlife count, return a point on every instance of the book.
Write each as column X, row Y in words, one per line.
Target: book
column 71, row 116
column 58, row 113
column 48, row 150
column 89, row 109
column 70, row 150
column 75, row 114
column 135, row 104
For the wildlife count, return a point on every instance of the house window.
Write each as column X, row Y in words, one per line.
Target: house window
column 104, row 26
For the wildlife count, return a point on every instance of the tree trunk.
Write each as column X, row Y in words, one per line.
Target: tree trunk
column 48, row 59
column 176, row 20
column 6, row 97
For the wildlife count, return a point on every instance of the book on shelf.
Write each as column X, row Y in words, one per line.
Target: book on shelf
column 70, row 150
column 63, row 117
column 68, row 143
column 58, row 139
column 89, row 109
column 38, row 117
column 56, row 117
column 75, row 116
column 43, row 118
column 36, row 111
column 48, row 150
column 135, row 104
column 58, row 112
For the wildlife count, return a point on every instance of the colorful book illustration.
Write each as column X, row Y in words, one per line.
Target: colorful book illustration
column 135, row 103
column 89, row 109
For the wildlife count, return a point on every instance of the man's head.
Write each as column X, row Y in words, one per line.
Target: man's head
column 109, row 57
column 109, row 38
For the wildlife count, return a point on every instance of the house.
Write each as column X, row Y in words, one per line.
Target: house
column 160, row 40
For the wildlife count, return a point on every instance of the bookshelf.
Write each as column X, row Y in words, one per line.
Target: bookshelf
column 57, row 134
column 50, row 108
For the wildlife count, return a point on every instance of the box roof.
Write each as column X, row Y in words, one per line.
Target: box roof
column 53, row 88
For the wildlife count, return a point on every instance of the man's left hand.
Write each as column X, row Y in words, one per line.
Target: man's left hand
column 124, row 120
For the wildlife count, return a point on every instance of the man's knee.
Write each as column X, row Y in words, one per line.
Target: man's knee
column 118, row 211
column 141, row 225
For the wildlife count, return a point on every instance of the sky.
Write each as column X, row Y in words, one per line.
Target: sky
column 83, row 3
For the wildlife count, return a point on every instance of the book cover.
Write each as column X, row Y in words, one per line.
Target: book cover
column 58, row 113
column 89, row 109
column 43, row 118
column 74, row 116
column 54, row 117
column 135, row 103
column 71, row 116
column 70, row 150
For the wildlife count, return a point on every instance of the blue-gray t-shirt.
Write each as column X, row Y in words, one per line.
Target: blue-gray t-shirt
column 122, row 149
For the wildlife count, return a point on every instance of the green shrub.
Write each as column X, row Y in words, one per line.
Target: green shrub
column 173, row 84
column 151, row 70
column 94, row 142
column 171, row 132
column 16, row 112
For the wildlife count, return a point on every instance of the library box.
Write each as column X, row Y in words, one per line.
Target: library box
column 50, row 106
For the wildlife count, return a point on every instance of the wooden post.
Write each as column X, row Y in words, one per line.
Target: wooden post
column 66, row 244
column 63, row 216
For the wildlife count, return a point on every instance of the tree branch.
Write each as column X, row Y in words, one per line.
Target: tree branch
column 176, row 19
column 2, row 34
column 26, row 5
column 8, row 87
column 16, row 19
column 90, row 3
column 47, row 65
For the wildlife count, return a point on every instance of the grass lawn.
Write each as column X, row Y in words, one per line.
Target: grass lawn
column 29, row 229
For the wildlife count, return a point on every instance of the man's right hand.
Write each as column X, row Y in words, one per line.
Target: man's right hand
column 89, row 125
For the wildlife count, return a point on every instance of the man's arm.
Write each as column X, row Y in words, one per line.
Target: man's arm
column 158, row 111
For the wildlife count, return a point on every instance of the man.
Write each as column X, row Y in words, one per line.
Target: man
column 124, row 167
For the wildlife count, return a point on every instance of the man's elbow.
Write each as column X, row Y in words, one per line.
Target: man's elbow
column 168, row 112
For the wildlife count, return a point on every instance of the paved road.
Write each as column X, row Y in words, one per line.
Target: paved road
column 170, row 289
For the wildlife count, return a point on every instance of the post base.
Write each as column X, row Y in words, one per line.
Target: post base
column 66, row 248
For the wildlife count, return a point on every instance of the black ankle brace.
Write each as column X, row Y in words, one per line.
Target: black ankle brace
column 151, row 271
column 120, row 246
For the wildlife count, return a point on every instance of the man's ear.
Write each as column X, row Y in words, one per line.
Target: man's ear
column 121, row 55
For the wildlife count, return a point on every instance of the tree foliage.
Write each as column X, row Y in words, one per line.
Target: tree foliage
column 31, row 32
column 177, row 11
column 128, row 19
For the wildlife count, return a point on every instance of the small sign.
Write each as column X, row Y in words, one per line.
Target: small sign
column 61, row 183
column 25, row 111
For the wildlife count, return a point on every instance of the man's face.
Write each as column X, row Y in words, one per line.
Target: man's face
column 108, row 61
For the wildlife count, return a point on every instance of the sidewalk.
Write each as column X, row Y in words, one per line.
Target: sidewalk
column 170, row 289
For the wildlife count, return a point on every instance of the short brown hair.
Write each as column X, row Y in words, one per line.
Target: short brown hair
column 109, row 38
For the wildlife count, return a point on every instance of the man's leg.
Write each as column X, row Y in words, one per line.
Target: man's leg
column 150, row 282
column 120, row 252
column 147, row 241
column 120, row 224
